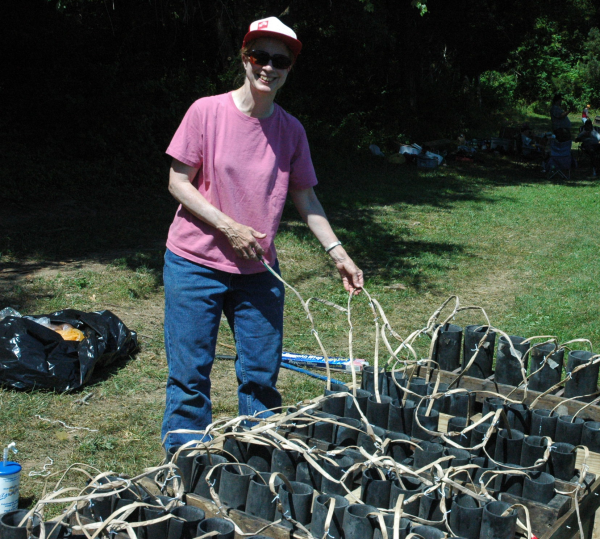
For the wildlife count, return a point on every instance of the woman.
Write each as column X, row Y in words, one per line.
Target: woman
column 561, row 124
column 236, row 157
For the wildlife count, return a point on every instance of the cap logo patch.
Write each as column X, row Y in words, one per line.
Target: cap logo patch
column 263, row 24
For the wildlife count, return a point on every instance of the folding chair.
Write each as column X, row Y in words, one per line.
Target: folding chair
column 560, row 160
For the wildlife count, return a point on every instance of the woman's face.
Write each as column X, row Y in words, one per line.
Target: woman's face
column 267, row 79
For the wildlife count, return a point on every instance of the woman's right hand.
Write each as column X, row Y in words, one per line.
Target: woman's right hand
column 243, row 239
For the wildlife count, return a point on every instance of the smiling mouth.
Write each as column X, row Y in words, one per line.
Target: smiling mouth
column 264, row 79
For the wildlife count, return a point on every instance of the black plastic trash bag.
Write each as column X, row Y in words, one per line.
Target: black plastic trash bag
column 35, row 356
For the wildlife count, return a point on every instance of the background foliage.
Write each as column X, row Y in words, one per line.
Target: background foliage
column 99, row 86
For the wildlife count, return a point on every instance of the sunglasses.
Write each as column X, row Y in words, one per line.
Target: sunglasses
column 262, row 58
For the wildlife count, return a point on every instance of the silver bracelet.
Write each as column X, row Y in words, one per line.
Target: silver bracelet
column 332, row 246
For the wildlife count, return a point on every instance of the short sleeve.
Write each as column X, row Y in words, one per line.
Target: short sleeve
column 186, row 145
column 302, row 173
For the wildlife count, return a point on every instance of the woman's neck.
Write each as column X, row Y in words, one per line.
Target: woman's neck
column 253, row 103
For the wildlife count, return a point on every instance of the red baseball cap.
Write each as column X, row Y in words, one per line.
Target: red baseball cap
column 273, row 27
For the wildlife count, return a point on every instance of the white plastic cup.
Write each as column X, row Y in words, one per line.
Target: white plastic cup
column 10, row 475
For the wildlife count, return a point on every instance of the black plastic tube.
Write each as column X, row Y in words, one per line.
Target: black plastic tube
column 511, row 483
column 533, row 450
column 509, row 446
column 400, row 417
column 429, row 508
column 397, row 447
column 491, row 404
column 407, row 485
column 260, row 502
column 203, row 464
column 484, row 353
column 569, row 430
column 392, row 389
column 305, row 473
column 419, row 387
column 458, row 424
column 446, row 350
column 186, row 524
column 9, row 525
column 357, row 525
column 562, row 461
column 585, row 381
column 543, row 422
column 465, row 516
column 519, row 417
column 426, row 423
column 285, row 462
column 336, row 470
column 368, row 380
column 477, row 435
column 463, row 404
column 233, row 490
column 496, row 526
column 508, row 366
column 323, row 430
column 377, row 412
column 426, row 453
column 225, row 528
column 295, row 504
column 539, row 487
column 590, row 435
column 259, row 457
column 319, row 516
column 350, row 408
column 552, row 371
column 441, row 404
column 366, row 442
column 335, row 405
column 346, row 431
column 375, row 490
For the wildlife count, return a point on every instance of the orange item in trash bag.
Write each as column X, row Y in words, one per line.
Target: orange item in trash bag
column 69, row 333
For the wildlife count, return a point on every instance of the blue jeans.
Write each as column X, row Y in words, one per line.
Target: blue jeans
column 195, row 298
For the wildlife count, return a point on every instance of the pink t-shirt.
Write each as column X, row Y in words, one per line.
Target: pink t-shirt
column 246, row 166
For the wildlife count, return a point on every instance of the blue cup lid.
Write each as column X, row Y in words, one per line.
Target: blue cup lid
column 10, row 468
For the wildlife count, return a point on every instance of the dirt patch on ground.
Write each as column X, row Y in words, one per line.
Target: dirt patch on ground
column 494, row 292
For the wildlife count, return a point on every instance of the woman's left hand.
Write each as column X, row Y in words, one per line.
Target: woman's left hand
column 352, row 275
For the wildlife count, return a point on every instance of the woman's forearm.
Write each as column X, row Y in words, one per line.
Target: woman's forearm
column 312, row 213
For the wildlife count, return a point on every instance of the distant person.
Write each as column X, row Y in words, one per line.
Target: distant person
column 585, row 115
column 237, row 157
column 590, row 141
column 527, row 143
column 561, row 125
column 526, row 130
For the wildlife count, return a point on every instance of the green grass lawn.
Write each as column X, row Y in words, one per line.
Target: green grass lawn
column 494, row 232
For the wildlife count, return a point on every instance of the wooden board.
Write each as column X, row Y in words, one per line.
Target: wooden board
column 593, row 461
column 246, row 522
column 566, row 527
column 83, row 520
column 542, row 516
